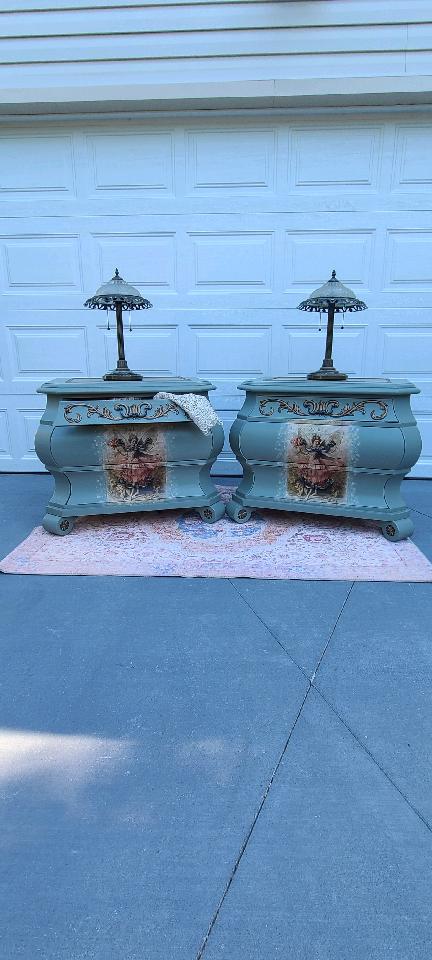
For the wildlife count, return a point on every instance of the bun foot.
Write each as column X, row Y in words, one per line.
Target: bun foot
column 237, row 512
column 212, row 513
column 397, row 529
column 60, row 526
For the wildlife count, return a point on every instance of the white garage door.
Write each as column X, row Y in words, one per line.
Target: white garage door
column 225, row 224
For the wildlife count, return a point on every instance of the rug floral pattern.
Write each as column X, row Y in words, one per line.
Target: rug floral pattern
column 272, row 545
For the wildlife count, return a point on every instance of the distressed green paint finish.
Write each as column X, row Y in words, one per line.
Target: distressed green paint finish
column 338, row 449
column 112, row 448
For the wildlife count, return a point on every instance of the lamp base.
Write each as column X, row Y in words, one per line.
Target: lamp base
column 122, row 375
column 327, row 373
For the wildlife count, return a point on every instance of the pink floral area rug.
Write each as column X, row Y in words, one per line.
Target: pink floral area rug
column 271, row 545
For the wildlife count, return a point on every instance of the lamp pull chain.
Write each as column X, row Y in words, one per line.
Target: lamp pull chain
column 108, row 323
column 319, row 328
column 343, row 319
column 130, row 321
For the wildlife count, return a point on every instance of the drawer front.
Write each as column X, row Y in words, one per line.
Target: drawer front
column 349, row 491
column 124, row 489
column 83, row 413
column 117, row 443
column 363, row 446
column 374, row 410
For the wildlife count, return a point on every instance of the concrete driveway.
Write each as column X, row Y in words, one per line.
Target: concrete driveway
column 213, row 768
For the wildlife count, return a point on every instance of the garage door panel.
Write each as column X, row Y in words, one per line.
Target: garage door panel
column 41, row 263
column 407, row 260
column 132, row 163
column 231, row 350
column 151, row 350
column 225, row 224
column 312, row 254
column 406, row 349
column 231, row 261
column 151, row 258
column 230, row 161
column 413, row 150
column 334, row 157
column 304, row 349
column 36, row 167
column 37, row 351
column 36, row 345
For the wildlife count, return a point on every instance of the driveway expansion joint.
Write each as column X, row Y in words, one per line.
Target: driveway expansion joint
column 272, row 633
column 324, row 651
column 377, row 763
column 421, row 513
column 311, row 686
column 250, row 831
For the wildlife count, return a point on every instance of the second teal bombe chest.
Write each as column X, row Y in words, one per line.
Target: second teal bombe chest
column 339, row 448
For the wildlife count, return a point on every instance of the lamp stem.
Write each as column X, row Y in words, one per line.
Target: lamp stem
column 329, row 335
column 122, row 371
column 121, row 362
column 327, row 371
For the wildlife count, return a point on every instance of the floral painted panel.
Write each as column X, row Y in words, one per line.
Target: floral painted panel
column 135, row 463
column 318, row 458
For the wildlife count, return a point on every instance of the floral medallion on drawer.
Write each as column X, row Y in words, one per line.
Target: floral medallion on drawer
column 135, row 464
column 318, row 457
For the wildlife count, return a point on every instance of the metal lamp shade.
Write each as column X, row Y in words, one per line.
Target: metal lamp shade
column 115, row 295
column 117, row 291
column 333, row 297
column 333, row 292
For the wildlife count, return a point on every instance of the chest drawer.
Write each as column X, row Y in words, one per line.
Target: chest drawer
column 363, row 410
column 82, row 413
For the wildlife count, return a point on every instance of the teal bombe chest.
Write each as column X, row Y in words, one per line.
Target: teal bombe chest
column 118, row 449
column 328, row 448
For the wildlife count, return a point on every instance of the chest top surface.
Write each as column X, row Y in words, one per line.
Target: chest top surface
column 88, row 388
column 352, row 387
